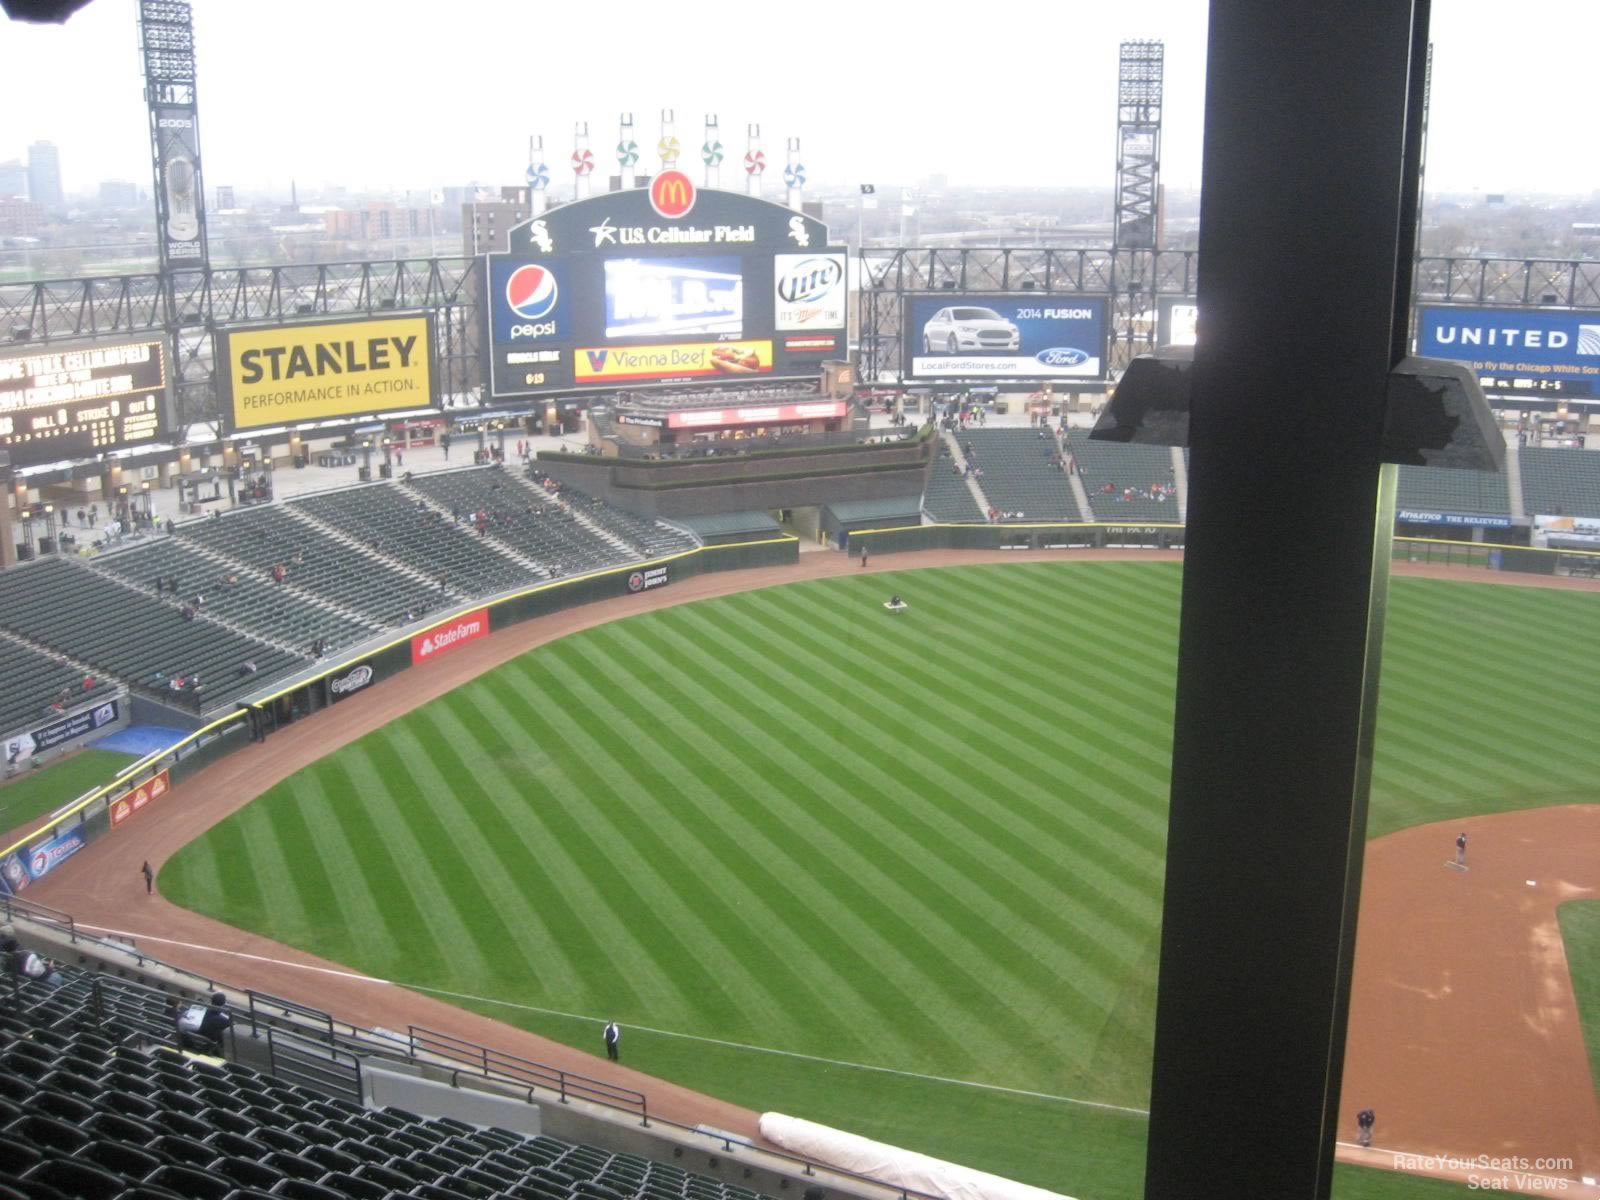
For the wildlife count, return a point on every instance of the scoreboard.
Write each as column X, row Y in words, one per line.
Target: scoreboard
column 60, row 403
column 666, row 284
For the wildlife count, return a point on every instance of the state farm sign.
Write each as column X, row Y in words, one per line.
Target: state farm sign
column 448, row 635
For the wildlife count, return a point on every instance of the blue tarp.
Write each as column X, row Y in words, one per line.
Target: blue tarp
column 141, row 739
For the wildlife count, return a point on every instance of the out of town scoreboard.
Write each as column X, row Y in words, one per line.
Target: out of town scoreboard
column 77, row 401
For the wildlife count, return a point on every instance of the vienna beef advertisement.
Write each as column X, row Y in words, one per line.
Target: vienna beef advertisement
column 284, row 374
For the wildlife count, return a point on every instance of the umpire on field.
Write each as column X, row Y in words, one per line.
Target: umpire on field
column 613, row 1036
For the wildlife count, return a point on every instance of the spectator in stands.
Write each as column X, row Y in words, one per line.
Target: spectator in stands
column 247, row 667
column 88, row 683
column 160, row 583
column 298, row 558
column 188, row 612
column 229, row 581
column 279, row 573
column 194, row 682
column 199, row 601
column 25, row 964
column 83, row 518
column 201, row 1027
column 176, row 683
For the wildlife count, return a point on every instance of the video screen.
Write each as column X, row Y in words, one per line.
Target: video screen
column 674, row 297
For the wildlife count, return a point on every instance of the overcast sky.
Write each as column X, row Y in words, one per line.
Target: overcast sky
column 395, row 94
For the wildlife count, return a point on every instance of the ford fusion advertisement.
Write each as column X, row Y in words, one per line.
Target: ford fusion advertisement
column 1518, row 351
column 1024, row 336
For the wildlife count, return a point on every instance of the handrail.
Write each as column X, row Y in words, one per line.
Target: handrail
column 492, row 1063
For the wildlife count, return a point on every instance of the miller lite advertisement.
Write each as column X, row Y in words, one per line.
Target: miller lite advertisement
column 665, row 283
column 180, row 202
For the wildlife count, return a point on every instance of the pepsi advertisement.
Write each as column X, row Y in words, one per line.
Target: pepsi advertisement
column 1523, row 352
column 669, row 283
column 1025, row 336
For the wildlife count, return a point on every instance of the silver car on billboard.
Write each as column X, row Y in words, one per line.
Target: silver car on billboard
column 969, row 327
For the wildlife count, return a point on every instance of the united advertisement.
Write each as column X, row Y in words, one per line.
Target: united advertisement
column 1518, row 351
column 1024, row 336
column 286, row 374
column 662, row 284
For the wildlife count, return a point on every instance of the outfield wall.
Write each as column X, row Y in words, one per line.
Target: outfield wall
column 148, row 781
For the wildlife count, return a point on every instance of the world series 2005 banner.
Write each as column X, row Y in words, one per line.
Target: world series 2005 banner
column 293, row 373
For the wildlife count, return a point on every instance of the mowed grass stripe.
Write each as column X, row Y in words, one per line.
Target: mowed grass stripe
column 1011, row 658
column 478, row 868
column 648, row 967
column 968, row 913
column 944, row 779
column 412, row 914
column 998, row 690
column 735, row 835
column 895, row 941
column 1037, row 760
column 518, row 860
column 686, row 885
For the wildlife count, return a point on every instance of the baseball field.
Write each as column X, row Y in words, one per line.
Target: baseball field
column 897, row 873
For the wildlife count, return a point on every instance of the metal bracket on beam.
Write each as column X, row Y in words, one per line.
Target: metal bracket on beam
column 1436, row 414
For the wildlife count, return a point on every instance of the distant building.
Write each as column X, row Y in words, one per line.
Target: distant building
column 44, row 175
column 13, row 179
column 225, row 198
column 486, row 224
column 20, row 218
column 118, row 193
column 375, row 222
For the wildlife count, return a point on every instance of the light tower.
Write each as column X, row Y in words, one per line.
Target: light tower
column 166, row 41
column 1139, row 145
column 1137, row 232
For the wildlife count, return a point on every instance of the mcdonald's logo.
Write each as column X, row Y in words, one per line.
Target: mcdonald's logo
column 672, row 194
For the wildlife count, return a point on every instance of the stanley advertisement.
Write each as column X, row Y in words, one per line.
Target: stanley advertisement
column 295, row 373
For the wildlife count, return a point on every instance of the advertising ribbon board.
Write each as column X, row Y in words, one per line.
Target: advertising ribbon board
column 447, row 635
column 682, row 360
column 131, row 801
column 643, row 581
column 75, row 725
column 357, row 678
column 50, row 854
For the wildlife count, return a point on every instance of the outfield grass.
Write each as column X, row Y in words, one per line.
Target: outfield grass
column 931, row 843
column 38, row 793
column 1580, row 937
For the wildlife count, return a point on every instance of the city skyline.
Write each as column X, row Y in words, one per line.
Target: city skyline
column 875, row 103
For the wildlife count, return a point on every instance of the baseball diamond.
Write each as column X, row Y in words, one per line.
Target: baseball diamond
column 855, row 868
